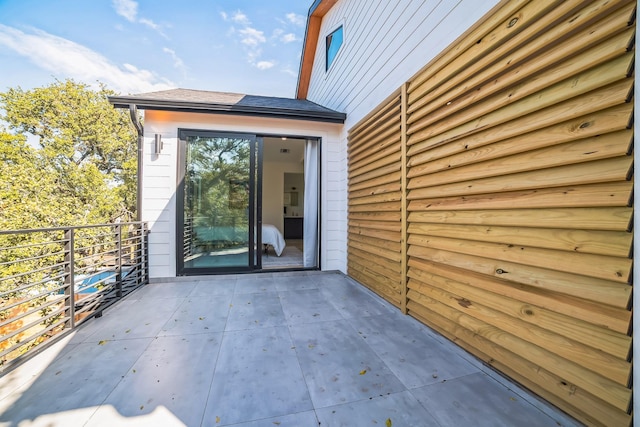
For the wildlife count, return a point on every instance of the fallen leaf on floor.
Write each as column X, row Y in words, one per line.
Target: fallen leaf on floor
column 141, row 407
column 217, row 420
column 200, row 318
column 388, row 423
column 311, row 345
column 102, row 342
column 513, row 398
column 277, row 423
column 364, row 371
column 127, row 331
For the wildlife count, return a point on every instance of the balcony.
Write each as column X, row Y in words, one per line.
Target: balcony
column 271, row 349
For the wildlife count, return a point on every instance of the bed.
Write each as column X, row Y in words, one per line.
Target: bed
column 272, row 236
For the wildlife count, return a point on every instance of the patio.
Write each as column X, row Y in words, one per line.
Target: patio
column 283, row 349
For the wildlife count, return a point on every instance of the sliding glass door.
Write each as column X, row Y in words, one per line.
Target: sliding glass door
column 217, row 202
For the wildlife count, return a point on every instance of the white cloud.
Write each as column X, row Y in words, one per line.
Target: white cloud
column 288, row 38
column 240, row 18
column 129, row 10
column 224, row 16
column 177, row 61
column 265, row 65
column 67, row 59
column 126, row 8
column 296, row 19
column 252, row 37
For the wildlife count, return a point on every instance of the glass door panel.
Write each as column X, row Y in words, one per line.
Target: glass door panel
column 218, row 202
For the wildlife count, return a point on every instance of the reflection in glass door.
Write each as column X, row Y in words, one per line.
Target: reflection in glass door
column 217, row 191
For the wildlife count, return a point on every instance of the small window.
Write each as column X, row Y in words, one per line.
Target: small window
column 334, row 41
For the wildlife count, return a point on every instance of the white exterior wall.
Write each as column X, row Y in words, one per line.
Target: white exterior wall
column 385, row 44
column 160, row 180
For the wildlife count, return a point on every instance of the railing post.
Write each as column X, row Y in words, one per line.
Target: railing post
column 145, row 251
column 119, row 260
column 69, row 277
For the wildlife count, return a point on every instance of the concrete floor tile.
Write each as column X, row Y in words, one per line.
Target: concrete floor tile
column 354, row 300
column 294, row 283
column 480, row 401
column 397, row 409
column 134, row 319
column 339, row 366
column 163, row 290
column 197, row 315
column 174, row 373
column 250, row 311
column 257, row 377
column 72, row 383
column 223, row 285
column 416, row 358
column 307, row 306
column 255, row 283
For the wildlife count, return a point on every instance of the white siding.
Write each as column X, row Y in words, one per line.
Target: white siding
column 385, row 43
column 159, row 180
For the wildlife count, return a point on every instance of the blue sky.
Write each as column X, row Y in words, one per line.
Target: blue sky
column 136, row 46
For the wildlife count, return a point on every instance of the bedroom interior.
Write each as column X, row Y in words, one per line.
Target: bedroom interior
column 283, row 200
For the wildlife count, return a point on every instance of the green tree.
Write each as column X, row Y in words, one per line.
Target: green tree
column 86, row 160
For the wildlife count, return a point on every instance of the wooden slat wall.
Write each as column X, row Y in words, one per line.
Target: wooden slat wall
column 375, row 197
column 518, row 197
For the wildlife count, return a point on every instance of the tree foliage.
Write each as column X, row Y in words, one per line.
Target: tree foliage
column 83, row 170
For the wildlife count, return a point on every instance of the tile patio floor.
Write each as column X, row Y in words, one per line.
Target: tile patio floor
column 297, row 349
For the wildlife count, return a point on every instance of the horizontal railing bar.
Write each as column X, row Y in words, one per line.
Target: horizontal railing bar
column 20, row 260
column 49, row 267
column 76, row 227
column 30, row 312
column 31, row 285
column 31, row 245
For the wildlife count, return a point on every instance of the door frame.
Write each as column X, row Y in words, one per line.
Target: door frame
column 255, row 188
column 255, row 212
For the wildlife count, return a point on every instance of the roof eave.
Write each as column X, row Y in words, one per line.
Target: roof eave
column 232, row 109
column 312, row 33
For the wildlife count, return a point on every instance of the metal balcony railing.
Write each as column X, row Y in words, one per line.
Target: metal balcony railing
column 54, row 279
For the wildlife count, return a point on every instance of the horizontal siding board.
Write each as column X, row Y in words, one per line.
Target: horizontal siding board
column 614, row 219
column 608, row 170
column 376, row 225
column 610, row 243
column 614, row 194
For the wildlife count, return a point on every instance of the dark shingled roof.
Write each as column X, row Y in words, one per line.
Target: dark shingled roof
column 201, row 101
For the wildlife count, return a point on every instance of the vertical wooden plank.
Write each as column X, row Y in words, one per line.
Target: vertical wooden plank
column 403, row 206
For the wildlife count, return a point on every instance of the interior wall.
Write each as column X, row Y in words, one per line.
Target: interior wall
column 294, row 183
column 273, row 187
